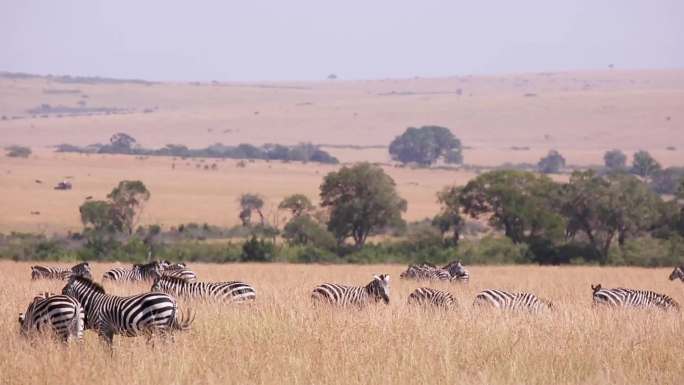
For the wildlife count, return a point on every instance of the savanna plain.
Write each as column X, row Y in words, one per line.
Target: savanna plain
column 282, row 338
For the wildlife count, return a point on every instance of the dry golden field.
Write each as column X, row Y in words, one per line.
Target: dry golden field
column 282, row 339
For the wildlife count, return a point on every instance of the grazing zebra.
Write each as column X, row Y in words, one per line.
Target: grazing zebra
column 512, row 301
column 425, row 272
column 457, row 271
column 48, row 272
column 233, row 291
column 142, row 314
column 428, row 296
column 184, row 274
column 621, row 297
column 138, row 272
column 377, row 290
column 678, row 272
column 58, row 313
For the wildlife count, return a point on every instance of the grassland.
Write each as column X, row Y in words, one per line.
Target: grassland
column 282, row 339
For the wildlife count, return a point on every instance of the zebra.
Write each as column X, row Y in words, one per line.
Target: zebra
column 61, row 314
column 512, row 301
column 621, row 297
column 428, row 296
column 142, row 314
column 377, row 290
column 678, row 272
column 425, row 272
column 48, row 272
column 233, row 291
column 457, row 271
column 184, row 274
column 138, row 272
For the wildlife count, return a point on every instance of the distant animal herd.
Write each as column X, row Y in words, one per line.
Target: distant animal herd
column 84, row 304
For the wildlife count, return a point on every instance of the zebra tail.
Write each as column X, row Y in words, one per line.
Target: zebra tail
column 184, row 321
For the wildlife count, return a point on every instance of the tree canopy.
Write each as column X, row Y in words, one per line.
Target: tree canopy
column 248, row 203
column 615, row 159
column 128, row 200
column 552, row 163
column 425, row 145
column 360, row 199
column 297, row 204
column 644, row 165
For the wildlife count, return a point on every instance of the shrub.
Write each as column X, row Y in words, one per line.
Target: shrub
column 257, row 250
column 18, row 151
column 552, row 163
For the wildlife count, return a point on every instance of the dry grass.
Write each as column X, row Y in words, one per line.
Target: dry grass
column 282, row 339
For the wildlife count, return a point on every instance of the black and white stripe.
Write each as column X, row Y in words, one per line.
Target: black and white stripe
column 631, row 298
column 139, row 272
column 432, row 297
column 184, row 274
column 60, row 314
column 61, row 273
column 511, row 301
column 142, row 314
column 232, row 291
column 678, row 272
column 341, row 295
column 425, row 272
column 457, row 271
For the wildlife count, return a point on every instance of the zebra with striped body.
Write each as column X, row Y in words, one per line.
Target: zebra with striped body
column 233, row 291
column 184, row 274
column 621, row 297
column 61, row 273
column 142, row 314
column 60, row 314
column 146, row 272
column 457, row 271
column 678, row 272
column 512, row 301
column 377, row 290
column 427, row 296
column 425, row 272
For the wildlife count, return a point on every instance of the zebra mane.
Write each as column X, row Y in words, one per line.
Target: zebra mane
column 88, row 283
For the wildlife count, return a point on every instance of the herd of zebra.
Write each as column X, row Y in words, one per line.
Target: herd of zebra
column 84, row 304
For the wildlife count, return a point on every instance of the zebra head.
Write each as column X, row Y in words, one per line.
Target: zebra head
column 596, row 288
column 678, row 272
column 379, row 287
column 412, row 271
column 82, row 269
column 81, row 288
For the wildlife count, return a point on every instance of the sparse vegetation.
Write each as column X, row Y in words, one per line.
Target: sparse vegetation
column 552, row 163
column 18, row 151
column 425, row 145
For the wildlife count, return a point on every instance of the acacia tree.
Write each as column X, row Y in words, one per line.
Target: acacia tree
column 248, row 203
column 298, row 204
column 615, row 159
column 425, row 145
column 449, row 218
column 644, row 165
column 519, row 202
column 128, row 201
column 552, row 163
column 360, row 199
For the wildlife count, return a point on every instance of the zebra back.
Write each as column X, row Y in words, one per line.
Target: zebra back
column 184, row 274
column 48, row 272
column 341, row 295
column 60, row 314
column 631, row 298
column 433, row 297
column 231, row 291
column 504, row 300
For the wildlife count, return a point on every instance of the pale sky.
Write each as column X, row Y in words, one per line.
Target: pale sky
column 251, row 40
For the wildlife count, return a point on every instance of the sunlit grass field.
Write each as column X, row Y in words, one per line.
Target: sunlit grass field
column 282, row 339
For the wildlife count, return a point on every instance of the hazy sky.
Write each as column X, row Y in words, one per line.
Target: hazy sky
column 296, row 39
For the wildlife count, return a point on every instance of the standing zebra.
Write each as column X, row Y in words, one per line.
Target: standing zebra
column 146, row 272
column 233, row 291
column 425, row 272
column 147, row 313
column 48, row 272
column 377, row 290
column 678, row 272
column 184, row 274
column 59, row 313
column 428, row 296
column 621, row 297
column 457, row 271
column 511, row 301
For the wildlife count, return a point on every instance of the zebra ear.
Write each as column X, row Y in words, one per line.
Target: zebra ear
column 385, row 277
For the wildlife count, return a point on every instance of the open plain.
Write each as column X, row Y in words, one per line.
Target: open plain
column 281, row 338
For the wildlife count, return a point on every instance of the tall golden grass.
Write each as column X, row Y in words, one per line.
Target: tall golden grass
column 282, row 339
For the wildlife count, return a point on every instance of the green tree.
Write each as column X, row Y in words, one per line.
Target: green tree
column 298, row 204
column 99, row 216
column 257, row 250
column 360, row 199
column 644, row 165
column 449, row 218
column 128, row 200
column 249, row 203
column 615, row 160
column 304, row 230
column 552, row 163
column 519, row 202
column 425, row 145
column 605, row 208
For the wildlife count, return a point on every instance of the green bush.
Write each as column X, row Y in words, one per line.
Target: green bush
column 257, row 250
column 493, row 250
column 18, row 151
